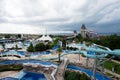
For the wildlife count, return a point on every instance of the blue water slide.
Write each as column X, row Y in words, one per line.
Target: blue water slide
column 90, row 54
column 14, row 52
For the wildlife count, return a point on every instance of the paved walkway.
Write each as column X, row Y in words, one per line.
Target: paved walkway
column 116, row 61
column 114, row 74
column 61, row 70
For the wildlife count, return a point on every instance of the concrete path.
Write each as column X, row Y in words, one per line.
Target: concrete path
column 114, row 74
column 61, row 70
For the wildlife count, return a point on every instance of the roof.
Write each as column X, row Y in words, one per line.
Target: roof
column 45, row 38
column 83, row 26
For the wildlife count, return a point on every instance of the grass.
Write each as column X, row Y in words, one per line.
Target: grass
column 73, row 75
column 110, row 64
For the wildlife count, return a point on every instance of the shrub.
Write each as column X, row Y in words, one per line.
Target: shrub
column 11, row 67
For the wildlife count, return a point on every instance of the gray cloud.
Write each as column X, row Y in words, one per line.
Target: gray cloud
column 59, row 15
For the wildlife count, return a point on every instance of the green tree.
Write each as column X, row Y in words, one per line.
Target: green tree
column 7, row 36
column 40, row 47
column 64, row 44
column 79, row 37
column 84, row 77
column 19, row 35
column 3, row 45
column 31, row 48
column 59, row 50
column 16, row 47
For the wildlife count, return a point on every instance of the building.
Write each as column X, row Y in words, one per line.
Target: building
column 45, row 38
column 75, row 33
column 83, row 31
column 88, row 33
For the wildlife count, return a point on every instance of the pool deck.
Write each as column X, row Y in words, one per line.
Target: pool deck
column 8, row 74
column 61, row 70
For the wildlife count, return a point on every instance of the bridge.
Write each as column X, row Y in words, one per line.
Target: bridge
column 61, row 70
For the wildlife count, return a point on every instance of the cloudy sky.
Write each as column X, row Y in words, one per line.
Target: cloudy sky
column 35, row 16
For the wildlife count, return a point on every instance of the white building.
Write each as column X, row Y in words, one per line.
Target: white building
column 45, row 38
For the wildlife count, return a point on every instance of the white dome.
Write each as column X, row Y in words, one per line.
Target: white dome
column 45, row 38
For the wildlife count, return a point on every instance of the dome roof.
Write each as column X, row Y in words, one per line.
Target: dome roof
column 45, row 38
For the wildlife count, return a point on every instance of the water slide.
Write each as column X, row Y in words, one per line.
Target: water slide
column 96, row 51
column 91, row 52
column 13, row 52
column 114, row 52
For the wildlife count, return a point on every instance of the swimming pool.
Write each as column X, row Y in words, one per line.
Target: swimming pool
column 33, row 76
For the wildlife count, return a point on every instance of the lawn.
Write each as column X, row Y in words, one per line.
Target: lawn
column 110, row 64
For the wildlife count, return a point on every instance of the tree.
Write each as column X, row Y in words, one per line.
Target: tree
column 59, row 50
column 19, row 35
column 31, row 48
column 79, row 37
column 7, row 36
column 16, row 47
column 64, row 44
column 3, row 45
column 40, row 47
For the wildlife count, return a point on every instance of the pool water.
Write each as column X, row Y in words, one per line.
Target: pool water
column 91, row 53
column 33, row 76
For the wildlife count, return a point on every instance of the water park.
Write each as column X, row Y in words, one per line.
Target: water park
column 52, row 64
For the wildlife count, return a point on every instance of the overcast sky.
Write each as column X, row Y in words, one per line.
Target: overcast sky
column 35, row 16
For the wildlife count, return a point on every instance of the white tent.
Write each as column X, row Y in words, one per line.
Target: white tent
column 45, row 38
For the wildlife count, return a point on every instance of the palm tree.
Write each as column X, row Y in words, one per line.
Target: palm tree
column 59, row 50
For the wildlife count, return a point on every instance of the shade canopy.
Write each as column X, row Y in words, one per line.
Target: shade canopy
column 45, row 38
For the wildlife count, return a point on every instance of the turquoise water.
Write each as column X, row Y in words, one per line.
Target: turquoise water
column 80, row 44
column 14, row 52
